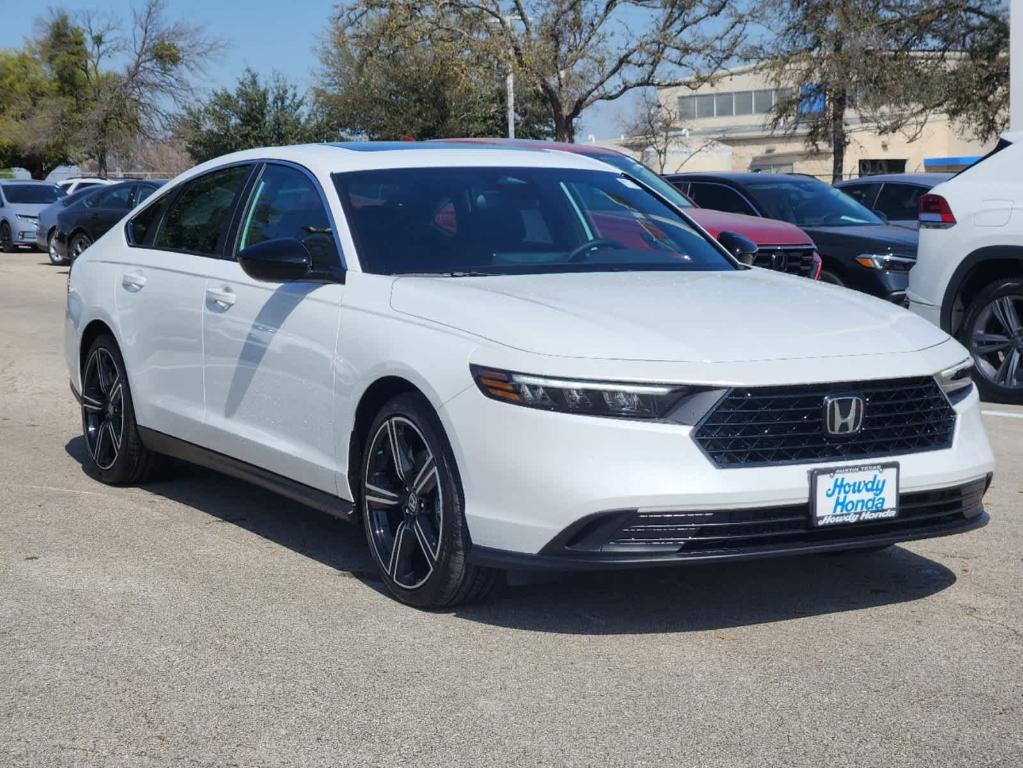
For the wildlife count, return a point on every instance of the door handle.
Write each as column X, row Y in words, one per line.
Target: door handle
column 223, row 297
column 133, row 281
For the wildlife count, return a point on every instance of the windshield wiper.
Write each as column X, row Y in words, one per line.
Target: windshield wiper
column 453, row 273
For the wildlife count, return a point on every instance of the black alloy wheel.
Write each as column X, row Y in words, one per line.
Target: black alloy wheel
column 411, row 504
column 6, row 238
column 111, row 434
column 993, row 331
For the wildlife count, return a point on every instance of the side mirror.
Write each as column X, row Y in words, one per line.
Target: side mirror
column 740, row 246
column 276, row 261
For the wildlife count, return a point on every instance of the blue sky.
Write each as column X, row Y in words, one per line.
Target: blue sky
column 266, row 35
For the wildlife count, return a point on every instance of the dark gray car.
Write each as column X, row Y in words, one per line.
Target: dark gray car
column 895, row 196
column 20, row 204
column 47, row 226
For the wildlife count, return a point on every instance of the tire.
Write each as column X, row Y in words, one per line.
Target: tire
column 6, row 239
column 115, row 450
column 414, row 517
column 55, row 258
column 831, row 278
column 993, row 332
column 79, row 243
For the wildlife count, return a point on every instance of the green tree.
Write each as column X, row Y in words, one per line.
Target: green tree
column 253, row 114
column 567, row 54
column 394, row 74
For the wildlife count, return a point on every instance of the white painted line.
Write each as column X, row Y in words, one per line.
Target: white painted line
column 1006, row 414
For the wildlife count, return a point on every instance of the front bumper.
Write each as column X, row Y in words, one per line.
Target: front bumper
column 23, row 233
column 532, row 477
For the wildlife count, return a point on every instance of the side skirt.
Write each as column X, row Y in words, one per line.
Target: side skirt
column 219, row 462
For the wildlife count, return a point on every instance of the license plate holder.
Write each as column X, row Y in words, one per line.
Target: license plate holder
column 850, row 495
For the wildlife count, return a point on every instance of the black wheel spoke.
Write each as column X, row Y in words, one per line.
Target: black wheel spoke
column 1005, row 312
column 402, row 501
column 986, row 343
column 91, row 404
column 1009, row 368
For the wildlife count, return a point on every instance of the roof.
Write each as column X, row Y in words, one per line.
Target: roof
column 324, row 159
column 591, row 150
column 4, row 182
column 920, row 179
column 739, row 177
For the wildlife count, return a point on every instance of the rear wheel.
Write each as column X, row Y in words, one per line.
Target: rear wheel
column 6, row 238
column 412, row 509
column 831, row 278
column 993, row 332
column 51, row 249
column 79, row 243
column 108, row 418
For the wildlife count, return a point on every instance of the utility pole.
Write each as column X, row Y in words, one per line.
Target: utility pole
column 506, row 22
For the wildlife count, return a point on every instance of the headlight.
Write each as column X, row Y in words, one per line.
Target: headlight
column 27, row 219
column 593, row 398
column 885, row 261
column 955, row 382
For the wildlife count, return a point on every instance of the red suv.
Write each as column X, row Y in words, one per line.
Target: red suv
column 781, row 246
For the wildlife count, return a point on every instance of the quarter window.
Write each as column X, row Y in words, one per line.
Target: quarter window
column 286, row 204
column 198, row 218
column 143, row 223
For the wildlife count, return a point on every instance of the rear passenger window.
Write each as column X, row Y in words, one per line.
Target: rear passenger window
column 899, row 201
column 119, row 197
column 198, row 219
column 718, row 197
column 862, row 193
column 287, row 204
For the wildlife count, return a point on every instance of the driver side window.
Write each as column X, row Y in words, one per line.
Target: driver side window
column 286, row 204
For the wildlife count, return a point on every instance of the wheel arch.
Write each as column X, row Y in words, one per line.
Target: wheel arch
column 92, row 331
column 978, row 269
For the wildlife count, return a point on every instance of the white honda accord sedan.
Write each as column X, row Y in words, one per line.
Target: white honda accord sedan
column 499, row 359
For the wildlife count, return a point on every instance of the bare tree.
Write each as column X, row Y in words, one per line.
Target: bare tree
column 653, row 130
column 576, row 53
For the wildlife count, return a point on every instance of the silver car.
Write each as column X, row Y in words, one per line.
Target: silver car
column 20, row 204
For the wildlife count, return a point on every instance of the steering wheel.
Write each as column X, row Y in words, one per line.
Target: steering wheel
column 579, row 252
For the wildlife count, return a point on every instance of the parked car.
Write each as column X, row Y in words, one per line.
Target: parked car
column 780, row 246
column 20, row 204
column 85, row 221
column 858, row 248
column 893, row 196
column 46, row 227
column 456, row 349
column 969, row 274
column 82, row 182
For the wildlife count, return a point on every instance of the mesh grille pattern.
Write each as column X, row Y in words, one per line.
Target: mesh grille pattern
column 784, row 425
column 795, row 261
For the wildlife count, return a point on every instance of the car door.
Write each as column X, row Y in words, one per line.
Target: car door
column 270, row 347
column 159, row 289
column 106, row 208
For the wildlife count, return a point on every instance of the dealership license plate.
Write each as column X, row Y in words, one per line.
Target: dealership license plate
column 854, row 494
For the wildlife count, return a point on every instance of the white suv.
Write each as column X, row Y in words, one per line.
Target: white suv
column 968, row 276
column 503, row 359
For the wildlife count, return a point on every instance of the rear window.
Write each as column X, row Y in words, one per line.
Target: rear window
column 32, row 194
column 500, row 221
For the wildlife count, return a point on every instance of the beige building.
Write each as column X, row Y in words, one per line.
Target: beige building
column 734, row 110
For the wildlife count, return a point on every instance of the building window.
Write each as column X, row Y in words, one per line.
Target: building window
column 704, row 105
column 762, row 102
column 744, row 103
column 723, row 105
column 686, row 107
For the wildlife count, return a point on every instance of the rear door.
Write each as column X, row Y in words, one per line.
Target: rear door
column 159, row 290
column 270, row 347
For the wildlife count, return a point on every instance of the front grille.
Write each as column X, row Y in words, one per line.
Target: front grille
column 716, row 531
column 763, row 426
column 794, row 260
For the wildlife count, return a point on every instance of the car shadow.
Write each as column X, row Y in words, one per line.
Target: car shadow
column 682, row 599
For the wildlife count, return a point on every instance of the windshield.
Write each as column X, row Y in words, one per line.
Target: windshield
column 501, row 221
column 639, row 171
column 808, row 203
column 39, row 194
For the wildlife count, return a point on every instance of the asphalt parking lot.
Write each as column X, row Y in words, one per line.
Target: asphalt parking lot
column 199, row 621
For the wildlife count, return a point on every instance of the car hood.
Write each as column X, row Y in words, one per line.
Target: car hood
column 882, row 238
column 28, row 209
column 748, row 315
column 760, row 231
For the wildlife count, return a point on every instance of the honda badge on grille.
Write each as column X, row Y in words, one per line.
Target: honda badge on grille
column 843, row 414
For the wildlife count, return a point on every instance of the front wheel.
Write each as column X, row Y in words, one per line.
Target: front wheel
column 412, row 509
column 51, row 249
column 6, row 238
column 111, row 434
column 993, row 332
column 831, row 278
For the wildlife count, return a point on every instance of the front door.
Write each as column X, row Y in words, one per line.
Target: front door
column 270, row 347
